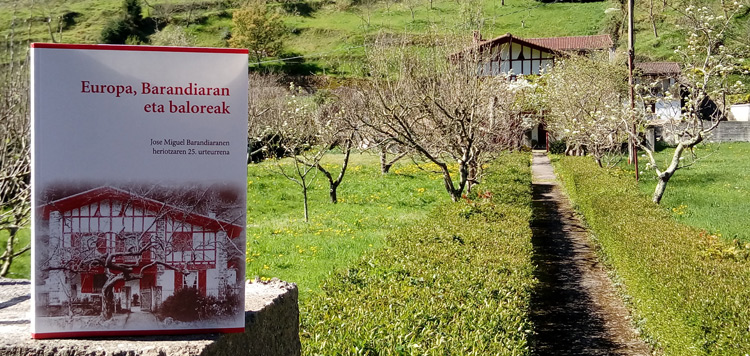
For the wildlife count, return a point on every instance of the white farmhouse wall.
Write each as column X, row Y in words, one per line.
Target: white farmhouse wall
column 741, row 112
column 668, row 109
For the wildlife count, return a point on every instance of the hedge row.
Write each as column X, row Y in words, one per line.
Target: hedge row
column 690, row 290
column 458, row 283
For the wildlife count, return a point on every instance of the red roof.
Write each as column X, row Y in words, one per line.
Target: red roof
column 547, row 44
column 506, row 38
column 659, row 68
column 575, row 43
column 103, row 193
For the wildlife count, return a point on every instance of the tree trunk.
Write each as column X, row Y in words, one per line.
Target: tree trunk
column 652, row 17
column 9, row 251
column 304, row 194
column 332, row 193
column 108, row 301
column 660, row 188
column 384, row 166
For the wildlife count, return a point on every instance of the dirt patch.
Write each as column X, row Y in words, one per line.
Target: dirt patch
column 575, row 308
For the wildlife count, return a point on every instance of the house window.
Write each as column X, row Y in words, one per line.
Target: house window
column 182, row 241
column 191, row 244
column 99, row 281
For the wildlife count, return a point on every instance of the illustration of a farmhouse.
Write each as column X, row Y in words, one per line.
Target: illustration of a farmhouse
column 107, row 250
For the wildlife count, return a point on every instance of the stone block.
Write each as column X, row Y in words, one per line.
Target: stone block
column 271, row 328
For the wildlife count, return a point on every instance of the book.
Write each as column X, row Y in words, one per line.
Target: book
column 139, row 190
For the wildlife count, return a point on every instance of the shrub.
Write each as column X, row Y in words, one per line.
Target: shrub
column 689, row 290
column 128, row 24
column 458, row 283
column 557, row 147
column 188, row 304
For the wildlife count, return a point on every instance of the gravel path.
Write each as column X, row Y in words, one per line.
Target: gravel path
column 575, row 307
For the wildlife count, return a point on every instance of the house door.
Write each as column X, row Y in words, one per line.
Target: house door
column 146, row 299
column 126, row 298
column 157, row 297
column 541, row 142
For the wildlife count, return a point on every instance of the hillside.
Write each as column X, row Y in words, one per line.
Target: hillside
column 328, row 34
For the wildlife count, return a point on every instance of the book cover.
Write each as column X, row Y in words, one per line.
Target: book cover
column 138, row 190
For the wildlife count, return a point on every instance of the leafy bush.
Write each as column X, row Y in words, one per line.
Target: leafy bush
column 188, row 304
column 458, row 283
column 689, row 290
column 127, row 25
column 557, row 147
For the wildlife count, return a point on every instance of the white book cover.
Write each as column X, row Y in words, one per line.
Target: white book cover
column 138, row 190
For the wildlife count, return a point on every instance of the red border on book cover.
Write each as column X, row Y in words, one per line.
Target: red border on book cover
column 150, row 332
column 110, row 47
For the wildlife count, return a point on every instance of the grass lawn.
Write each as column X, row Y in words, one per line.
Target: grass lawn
column 713, row 194
column 21, row 266
column 280, row 243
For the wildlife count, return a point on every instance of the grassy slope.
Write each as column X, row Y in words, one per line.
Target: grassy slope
column 330, row 28
column 330, row 32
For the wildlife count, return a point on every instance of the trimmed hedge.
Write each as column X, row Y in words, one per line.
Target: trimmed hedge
column 459, row 283
column 689, row 290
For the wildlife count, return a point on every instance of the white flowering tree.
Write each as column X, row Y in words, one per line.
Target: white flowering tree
column 585, row 101
column 707, row 63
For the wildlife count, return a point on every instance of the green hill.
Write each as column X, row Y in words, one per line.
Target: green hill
column 328, row 35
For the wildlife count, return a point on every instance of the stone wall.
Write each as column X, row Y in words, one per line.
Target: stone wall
column 271, row 328
column 731, row 131
column 727, row 131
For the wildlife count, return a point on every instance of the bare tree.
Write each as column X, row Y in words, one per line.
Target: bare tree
column 14, row 152
column 267, row 98
column 334, row 129
column 295, row 136
column 438, row 108
column 352, row 114
column 706, row 65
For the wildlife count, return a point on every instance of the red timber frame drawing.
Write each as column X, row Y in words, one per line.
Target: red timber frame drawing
column 111, row 249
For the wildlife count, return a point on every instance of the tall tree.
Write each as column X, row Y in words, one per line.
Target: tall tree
column 257, row 29
column 438, row 108
column 706, row 66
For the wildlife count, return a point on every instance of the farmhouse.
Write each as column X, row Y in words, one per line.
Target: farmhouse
column 664, row 75
column 513, row 55
column 145, row 249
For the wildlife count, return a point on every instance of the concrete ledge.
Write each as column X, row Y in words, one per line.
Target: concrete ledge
column 271, row 328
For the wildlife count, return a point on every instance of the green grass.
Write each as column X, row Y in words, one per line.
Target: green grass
column 371, row 205
column 331, row 32
column 335, row 34
column 713, row 194
column 21, row 266
column 688, row 289
column 457, row 282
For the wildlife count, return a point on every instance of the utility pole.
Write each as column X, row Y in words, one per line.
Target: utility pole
column 632, row 147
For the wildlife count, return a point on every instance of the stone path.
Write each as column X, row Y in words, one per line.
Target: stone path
column 575, row 307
